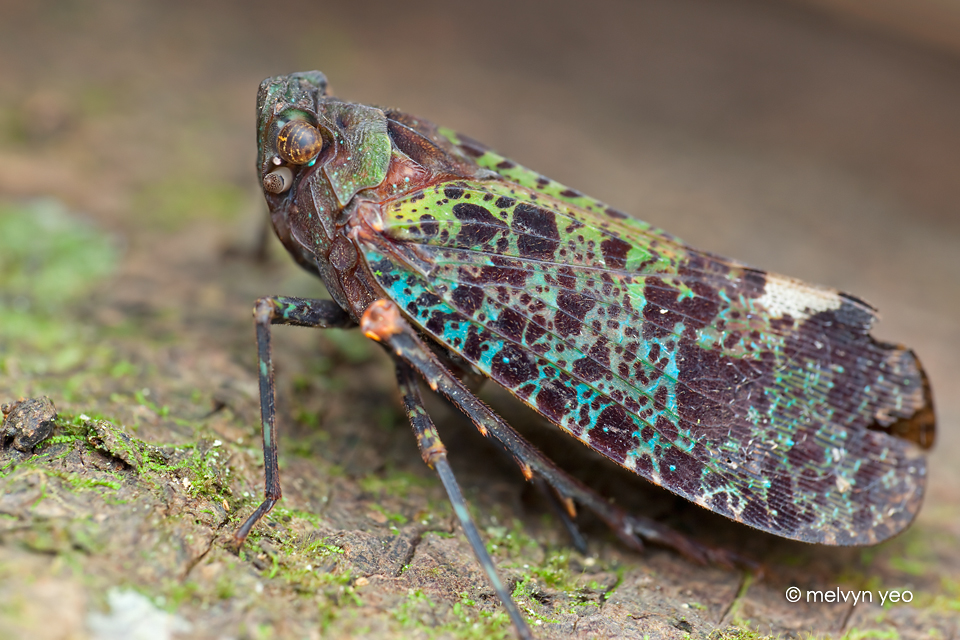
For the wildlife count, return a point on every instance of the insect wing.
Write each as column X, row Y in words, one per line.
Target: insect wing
column 754, row 395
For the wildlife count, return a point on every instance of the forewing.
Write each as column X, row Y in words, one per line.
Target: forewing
column 751, row 394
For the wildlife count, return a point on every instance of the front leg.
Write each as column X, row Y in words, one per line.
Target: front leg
column 301, row 312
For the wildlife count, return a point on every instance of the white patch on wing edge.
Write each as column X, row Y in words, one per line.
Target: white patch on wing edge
column 786, row 296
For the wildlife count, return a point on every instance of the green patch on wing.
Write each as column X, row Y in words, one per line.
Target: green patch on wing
column 525, row 177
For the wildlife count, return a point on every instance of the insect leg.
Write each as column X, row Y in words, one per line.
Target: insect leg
column 561, row 509
column 300, row 312
column 435, row 455
column 382, row 321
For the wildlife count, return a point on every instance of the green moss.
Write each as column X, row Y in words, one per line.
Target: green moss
column 199, row 467
column 309, row 565
column 734, row 611
column 735, row 633
column 554, row 572
column 914, row 552
column 320, row 549
column 141, row 398
column 65, row 538
column 419, row 612
column 523, row 594
column 49, row 262
column 394, row 518
column 48, row 257
column 171, row 202
column 511, row 542
column 920, row 553
column 399, row 484
column 178, row 592
column 79, row 483
column 911, row 567
column 871, row 634
column 225, row 587
column 946, row 601
column 39, row 468
column 309, row 419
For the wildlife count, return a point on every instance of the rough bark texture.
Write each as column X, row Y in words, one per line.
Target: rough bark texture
column 754, row 130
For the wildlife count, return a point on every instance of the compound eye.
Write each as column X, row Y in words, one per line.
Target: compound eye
column 299, row 142
column 278, row 180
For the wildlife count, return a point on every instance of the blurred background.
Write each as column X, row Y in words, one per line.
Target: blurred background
column 816, row 138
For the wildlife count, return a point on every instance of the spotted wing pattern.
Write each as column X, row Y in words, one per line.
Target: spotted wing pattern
column 751, row 394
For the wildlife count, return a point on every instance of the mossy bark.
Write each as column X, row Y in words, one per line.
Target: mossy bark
column 134, row 317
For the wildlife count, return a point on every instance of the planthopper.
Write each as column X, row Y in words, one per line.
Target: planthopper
column 754, row 395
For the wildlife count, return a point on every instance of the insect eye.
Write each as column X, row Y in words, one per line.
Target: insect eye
column 278, row 180
column 299, row 142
